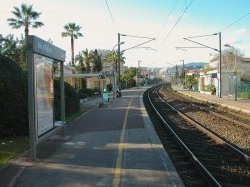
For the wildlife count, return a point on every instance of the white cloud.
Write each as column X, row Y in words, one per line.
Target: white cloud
column 171, row 18
column 240, row 31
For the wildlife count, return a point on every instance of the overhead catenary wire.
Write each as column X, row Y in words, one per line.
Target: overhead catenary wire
column 112, row 19
column 164, row 23
column 134, row 36
column 171, row 30
column 229, row 25
column 237, row 20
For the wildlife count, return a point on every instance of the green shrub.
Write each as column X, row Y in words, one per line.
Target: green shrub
column 244, row 95
column 85, row 92
column 72, row 101
column 96, row 91
column 109, row 87
column 13, row 99
column 210, row 87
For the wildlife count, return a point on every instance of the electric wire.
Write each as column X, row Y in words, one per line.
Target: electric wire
column 237, row 20
column 164, row 23
column 171, row 30
column 229, row 25
column 112, row 19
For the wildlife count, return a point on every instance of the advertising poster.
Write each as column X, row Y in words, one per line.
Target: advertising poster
column 44, row 93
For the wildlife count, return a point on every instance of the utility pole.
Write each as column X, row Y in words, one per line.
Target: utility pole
column 138, row 79
column 220, row 87
column 176, row 74
column 183, row 73
column 119, row 59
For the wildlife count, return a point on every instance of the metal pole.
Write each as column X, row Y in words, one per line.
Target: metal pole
column 62, row 98
column 236, row 88
column 184, row 80
column 235, row 69
column 220, row 86
column 119, row 60
column 176, row 75
column 138, row 74
column 31, row 99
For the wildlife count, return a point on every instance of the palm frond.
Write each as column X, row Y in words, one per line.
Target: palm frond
column 37, row 24
column 25, row 15
column 65, row 34
column 17, row 12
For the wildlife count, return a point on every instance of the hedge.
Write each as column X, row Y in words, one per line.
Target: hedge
column 72, row 101
column 14, row 100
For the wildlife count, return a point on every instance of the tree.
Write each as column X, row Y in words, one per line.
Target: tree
column 25, row 17
column 73, row 31
column 80, row 63
column 128, row 75
column 13, row 48
column 112, row 58
column 87, row 59
column 230, row 58
column 96, row 61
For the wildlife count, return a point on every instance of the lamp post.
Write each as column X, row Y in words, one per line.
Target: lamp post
column 137, row 73
column 119, row 58
column 235, row 71
column 121, row 43
column 114, row 81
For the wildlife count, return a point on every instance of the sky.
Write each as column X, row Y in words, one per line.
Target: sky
column 169, row 21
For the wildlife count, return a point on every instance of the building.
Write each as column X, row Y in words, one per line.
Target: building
column 210, row 77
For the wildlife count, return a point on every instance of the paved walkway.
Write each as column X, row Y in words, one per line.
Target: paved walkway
column 226, row 101
column 114, row 145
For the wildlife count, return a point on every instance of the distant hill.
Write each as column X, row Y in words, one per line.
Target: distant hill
column 195, row 65
column 191, row 66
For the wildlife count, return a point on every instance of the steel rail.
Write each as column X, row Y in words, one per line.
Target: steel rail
column 216, row 114
column 207, row 175
column 219, row 140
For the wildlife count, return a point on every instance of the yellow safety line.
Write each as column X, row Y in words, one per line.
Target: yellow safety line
column 118, row 165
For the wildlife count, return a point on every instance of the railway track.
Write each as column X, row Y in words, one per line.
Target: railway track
column 237, row 117
column 234, row 132
column 200, row 159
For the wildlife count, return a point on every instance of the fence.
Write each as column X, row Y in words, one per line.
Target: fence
column 243, row 89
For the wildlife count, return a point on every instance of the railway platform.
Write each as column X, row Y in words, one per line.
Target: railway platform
column 225, row 101
column 114, row 145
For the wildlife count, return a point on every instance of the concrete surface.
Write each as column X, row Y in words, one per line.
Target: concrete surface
column 114, row 145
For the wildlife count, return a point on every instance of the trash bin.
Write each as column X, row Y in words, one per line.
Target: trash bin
column 105, row 97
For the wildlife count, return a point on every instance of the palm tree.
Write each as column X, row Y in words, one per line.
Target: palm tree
column 112, row 58
column 25, row 17
column 80, row 59
column 96, row 61
column 87, row 59
column 72, row 30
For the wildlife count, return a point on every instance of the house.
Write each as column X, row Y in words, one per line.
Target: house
column 230, row 73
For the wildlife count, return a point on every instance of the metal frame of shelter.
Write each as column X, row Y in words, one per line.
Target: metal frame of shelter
column 37, row 46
